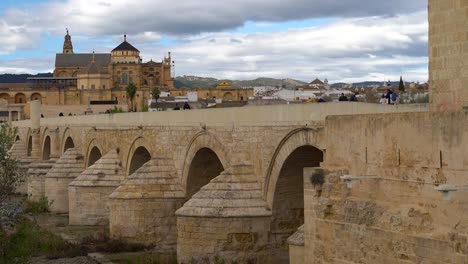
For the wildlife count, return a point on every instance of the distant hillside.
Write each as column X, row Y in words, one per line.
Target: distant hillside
column 286, row 83
column 362, row 84
column 193, row 81
column 202, row 82
column 20, row 78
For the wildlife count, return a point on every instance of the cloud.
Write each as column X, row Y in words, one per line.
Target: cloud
column 15, row 37
column 366, row 38
column 17, row 66
column 140, row 38
column 344, row 50
column 90, row 17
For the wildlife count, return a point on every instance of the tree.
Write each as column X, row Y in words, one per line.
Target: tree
column 10, row 176
column 155, row 93
column 131, row 91
column 401, row 88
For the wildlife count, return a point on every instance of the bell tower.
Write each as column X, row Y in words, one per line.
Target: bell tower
column 67, row 44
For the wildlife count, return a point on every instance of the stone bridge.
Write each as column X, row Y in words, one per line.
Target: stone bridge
column 204, row 183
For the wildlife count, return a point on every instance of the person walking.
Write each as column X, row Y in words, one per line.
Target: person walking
column 388, row 96
column 394, row 98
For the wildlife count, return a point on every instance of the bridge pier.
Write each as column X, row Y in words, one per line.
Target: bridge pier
column 89, row 192
column 64, row 171
column 36, row 178
column 225, row 221
column 142, row 209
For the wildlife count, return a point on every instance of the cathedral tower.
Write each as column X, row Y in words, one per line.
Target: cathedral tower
column 67, row 45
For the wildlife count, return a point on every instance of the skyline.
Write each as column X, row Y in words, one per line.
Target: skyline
column 343, row 41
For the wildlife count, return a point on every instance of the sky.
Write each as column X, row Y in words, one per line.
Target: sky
column 341, row 40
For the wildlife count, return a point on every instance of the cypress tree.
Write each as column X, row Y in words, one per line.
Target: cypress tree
column 401, row 88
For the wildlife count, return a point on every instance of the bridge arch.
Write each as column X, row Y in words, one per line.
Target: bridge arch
column 138, row 155
column 94, row 153
column 46, row 147
column 205, row 159
column 293, row 140
column 28, row 143
column 67, row 140
column 284, row 183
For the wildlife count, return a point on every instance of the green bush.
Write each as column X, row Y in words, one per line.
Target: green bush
column 39, row 207
column 10, row 177
column 30, row 240
column 116, row 110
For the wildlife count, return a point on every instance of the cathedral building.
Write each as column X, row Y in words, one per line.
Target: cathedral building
column 94, row 78
column 121, row 67
column 100, row 79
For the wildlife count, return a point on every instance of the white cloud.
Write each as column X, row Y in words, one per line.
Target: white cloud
column 348, row 49
column 369, row 39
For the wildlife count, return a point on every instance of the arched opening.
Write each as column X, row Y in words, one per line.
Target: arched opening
column 94, row 155
column 29, row 146
column 68, row 144
column 140, row 157
column 46, row 149
column 228, row 96
column 36, row 96
column 17, row 138
column 204, row 167
column 288, row 202
column 20, row 98
column 5, row 96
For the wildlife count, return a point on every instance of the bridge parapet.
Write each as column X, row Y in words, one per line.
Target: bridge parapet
column 255, row 115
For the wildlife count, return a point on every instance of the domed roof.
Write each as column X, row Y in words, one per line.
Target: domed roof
column 93, row 67
column 125, row 46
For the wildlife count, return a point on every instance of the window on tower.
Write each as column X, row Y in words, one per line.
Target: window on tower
column 125, row 78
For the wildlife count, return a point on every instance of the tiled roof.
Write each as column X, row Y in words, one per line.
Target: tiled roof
column 81, row 60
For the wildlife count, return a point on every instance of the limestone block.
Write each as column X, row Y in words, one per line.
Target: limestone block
column 142, row 209
column 226, row 219
column 36, row 178
column 296, row 246
column 64, row 171
column 89, row 192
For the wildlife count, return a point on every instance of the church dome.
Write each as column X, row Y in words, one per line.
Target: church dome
column 125, row 46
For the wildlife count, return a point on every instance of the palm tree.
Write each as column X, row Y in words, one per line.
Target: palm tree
column 131, row 91
column 155, row 93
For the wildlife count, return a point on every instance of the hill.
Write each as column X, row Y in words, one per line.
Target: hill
column 20, row 78
column 203, row 82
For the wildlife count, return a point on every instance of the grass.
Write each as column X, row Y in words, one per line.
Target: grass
column 147, row 257
column 30, row 240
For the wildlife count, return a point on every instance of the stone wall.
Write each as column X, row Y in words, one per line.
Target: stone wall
column 448, row 54
column 387, row 209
